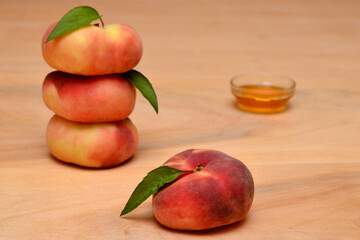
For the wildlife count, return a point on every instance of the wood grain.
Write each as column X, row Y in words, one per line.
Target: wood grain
column 305, row 161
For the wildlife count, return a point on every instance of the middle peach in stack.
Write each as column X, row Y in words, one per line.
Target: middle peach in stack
column 91, row 126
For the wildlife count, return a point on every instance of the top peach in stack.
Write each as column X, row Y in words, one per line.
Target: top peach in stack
column 90, row 97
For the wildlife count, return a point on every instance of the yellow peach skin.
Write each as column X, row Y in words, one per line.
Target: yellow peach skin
column 96, row 145
column 89, row 99
column 93, row 50
column 219, row 193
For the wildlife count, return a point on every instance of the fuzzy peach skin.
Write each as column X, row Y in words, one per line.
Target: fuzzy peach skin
column 89, row 99
column 219, row 194
column 95, row 145
column 93, row 50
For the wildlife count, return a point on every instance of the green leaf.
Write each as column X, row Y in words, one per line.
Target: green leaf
column 76, row 18
column 144, row 86
column 154, row 180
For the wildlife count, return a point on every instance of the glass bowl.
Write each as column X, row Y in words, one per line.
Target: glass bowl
column 262, row 93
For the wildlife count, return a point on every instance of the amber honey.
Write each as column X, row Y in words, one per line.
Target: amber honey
column 262, row 96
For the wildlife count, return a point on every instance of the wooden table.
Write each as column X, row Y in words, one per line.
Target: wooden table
column 305, row 161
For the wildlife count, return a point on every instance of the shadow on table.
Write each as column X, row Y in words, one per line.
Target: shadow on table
column 72, row 165
column 213, row 231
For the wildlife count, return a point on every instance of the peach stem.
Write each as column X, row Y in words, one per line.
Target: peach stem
column 102, row 23
column 198, row 168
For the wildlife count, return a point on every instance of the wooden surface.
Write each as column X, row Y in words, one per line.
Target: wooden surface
column 305, row 161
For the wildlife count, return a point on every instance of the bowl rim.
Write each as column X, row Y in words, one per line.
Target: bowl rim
column 263, row 82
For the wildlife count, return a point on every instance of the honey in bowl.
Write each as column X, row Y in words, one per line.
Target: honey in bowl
column 262, row 94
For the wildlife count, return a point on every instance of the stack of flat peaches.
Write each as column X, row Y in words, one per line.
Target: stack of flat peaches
column 90, row 96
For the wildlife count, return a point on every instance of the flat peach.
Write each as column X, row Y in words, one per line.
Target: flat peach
column 96, row 145
column 93, row 50
column 89, row 99
column 219, row 192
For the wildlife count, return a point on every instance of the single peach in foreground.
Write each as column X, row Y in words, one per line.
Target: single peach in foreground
column 94, row 145
column 93, row 50
column 92, row 99
column 219, row 192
